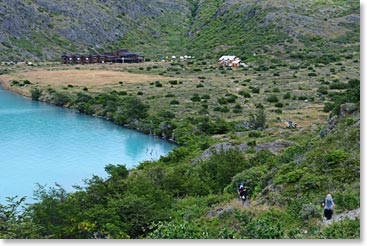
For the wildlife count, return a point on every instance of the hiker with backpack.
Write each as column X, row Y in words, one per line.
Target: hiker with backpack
column 242, row 192
column 328, row 206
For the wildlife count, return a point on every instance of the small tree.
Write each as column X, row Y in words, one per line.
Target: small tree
column 258, row 120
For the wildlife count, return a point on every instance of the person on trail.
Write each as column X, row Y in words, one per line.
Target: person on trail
column 328, row 206
column 242, row 191
column 240, row 188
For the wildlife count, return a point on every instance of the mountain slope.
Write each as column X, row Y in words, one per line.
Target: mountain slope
column 43, row 29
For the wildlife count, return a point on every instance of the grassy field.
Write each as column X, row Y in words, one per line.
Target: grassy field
column 286, row 91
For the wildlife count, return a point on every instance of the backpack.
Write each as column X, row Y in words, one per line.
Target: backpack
column 329, row 203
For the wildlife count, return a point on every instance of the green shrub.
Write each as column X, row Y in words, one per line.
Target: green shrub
column 222, row 100
column 84, row 107
column 170, row 95
column 195, row 98
column 269, row 225
column 237, row 109
column 309, row 211
column 251, row 143
column 224, row 109
column 348, row 200
column 278, row 111
column 346, row 229
column 60, row 99
column 14, row 82
column 257, row 120
column 328, row 107
column 244, row 93
column 174, row 102
column 230, row 98
column 322, row 90
column 35, row 93
column 338, row 86
column 272, row 99
column 205, row 96
column 254, row 134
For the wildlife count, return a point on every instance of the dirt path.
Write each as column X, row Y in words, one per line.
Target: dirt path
column 353, row 214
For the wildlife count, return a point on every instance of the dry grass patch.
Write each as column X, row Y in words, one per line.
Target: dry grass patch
column 98, row 78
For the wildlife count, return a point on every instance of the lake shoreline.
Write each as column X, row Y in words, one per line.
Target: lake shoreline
column 25, row 93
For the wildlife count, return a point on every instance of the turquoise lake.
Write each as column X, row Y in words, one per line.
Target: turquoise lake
column 41, row 143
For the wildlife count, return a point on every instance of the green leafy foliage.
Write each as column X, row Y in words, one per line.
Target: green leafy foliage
column 17, row 225
column 219, row 169
column 35, row 93
column 344, row 229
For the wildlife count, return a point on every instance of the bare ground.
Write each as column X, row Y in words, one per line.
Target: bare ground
column 81, row 77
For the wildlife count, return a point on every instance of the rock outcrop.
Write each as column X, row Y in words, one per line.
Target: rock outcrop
column 275, row 147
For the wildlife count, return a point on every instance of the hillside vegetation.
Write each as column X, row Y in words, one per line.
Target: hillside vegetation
column 42, row 30
column 231, row 125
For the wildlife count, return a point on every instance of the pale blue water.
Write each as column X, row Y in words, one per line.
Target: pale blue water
column 44, row 144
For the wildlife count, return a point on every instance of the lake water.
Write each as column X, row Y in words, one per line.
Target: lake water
column 41, row 143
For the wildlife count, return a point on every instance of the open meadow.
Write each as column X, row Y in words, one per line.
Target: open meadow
column 287, row 92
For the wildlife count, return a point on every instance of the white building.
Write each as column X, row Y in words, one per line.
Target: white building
column 230, row 61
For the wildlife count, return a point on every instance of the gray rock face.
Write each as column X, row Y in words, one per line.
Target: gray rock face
column 275, row 147
column 37, row 29
column 220, row 212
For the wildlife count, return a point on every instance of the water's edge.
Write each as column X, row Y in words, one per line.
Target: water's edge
column 14, row 178
column 26, row 94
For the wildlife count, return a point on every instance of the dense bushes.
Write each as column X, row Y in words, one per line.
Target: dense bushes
column 220, row 168
column 352, row 94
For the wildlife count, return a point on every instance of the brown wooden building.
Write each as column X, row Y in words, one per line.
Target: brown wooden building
column 120, row 56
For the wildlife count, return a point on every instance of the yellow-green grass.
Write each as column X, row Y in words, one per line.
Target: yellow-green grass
column 141, row 80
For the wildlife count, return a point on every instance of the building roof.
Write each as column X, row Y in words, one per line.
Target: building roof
column 128, row 53
column 226, row 58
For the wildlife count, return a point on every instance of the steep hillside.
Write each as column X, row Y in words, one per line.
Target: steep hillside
column 43, row 29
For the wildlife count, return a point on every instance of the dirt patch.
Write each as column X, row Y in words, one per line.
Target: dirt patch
column 82, row 77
